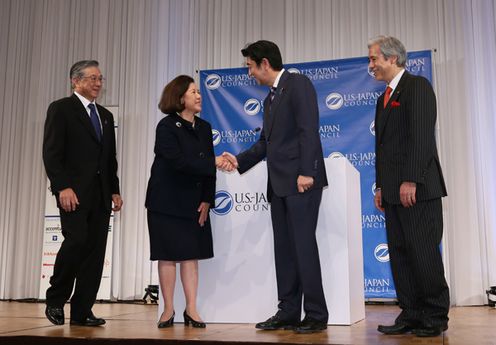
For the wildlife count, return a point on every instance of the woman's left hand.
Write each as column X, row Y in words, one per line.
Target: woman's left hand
column 203, row 209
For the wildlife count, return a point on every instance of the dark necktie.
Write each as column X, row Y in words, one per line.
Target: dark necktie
column 272, row 93
column 387, row 95
column 95, row 121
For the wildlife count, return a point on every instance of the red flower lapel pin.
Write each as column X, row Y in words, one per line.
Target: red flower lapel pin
column 395, row 104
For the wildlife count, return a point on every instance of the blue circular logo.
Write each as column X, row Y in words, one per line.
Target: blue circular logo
column 381, row 252
column 223, row 203
column 212, row 81
column 252, row 106
column 215, row 137
column 372, row 127
column 334, row 101
column 294, row 70
column 370, row 72
column 335, row 154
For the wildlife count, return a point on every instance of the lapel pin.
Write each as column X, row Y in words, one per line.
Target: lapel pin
column 178, row 124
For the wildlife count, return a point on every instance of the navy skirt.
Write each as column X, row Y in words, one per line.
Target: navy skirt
column 178, row 239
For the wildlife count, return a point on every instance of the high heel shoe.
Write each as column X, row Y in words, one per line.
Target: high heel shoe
column 168, row 323
column 197, row 324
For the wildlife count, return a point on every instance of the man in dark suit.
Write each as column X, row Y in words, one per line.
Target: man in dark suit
column 80, row 161
column 296, row 175
column 410, row 186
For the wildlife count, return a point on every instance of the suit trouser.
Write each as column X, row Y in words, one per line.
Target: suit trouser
column 298, row 273
column 81, row 257
column 414, row 235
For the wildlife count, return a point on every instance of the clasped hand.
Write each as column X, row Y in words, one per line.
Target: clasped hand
column 226, row 162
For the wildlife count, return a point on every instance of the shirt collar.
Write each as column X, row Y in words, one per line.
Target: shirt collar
column 396, row 80
column 84, row 100
column 276, row 82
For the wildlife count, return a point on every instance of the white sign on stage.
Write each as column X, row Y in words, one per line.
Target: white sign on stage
column 239, row 285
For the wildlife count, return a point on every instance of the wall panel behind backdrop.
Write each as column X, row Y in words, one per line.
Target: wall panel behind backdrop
column 143, row 44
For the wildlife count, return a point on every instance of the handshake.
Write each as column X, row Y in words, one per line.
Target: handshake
column 226, row 162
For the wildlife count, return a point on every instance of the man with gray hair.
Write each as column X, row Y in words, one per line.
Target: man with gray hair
column 80, row 160
column 410, row 186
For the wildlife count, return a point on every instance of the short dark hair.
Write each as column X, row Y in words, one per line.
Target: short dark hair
column 264, row 49
column 170, row 102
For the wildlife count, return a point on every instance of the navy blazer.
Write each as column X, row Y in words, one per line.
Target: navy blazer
column 405, row 141
column 73, row 155
column 290, row 137
column 183, row 172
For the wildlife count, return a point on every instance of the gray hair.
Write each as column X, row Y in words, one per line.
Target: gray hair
column 78, row 67
column 390, row 46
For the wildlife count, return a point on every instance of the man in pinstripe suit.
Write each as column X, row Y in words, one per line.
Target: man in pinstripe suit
column 410, row 186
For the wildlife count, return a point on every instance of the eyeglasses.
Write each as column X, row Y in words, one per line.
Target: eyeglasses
column 94, row 78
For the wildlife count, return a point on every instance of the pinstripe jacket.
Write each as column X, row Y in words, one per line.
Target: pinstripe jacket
column 405, row 141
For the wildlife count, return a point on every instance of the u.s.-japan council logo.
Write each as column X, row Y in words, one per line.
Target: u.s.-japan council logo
column 216, row 137
column 252, row 107
column 334, row 101
column 223, row 203
column 381, row 252
column 335, row 154
column 212, row 81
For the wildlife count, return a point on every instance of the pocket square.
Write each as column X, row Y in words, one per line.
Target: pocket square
column 395, row 104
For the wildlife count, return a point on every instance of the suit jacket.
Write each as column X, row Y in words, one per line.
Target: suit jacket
column 183, row 173
column 73, row 155
column 290, row 137
column 405, row 141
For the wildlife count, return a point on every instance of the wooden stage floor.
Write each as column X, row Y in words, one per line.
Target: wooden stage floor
column 25, row 323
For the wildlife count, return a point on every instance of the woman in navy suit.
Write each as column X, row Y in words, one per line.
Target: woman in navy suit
column 180, row 192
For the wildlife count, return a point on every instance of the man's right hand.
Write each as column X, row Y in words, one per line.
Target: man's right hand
column 378, row 200
column 230, row 162
column 68, row 200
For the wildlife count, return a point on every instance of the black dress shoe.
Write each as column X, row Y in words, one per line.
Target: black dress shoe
column 55, row 315
column 90, row 321
column 197, row 324
column 431, row 331
column 397, row 328
column 310, row 325
column 275, row 322
column 167, row 323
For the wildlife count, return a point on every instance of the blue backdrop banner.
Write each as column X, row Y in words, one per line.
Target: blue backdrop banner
column 347, row 94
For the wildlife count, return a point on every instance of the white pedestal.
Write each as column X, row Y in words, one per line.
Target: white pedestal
column 339, row 234
column 239, row 286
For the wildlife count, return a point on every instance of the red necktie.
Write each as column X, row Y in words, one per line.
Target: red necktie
column 387, row 95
